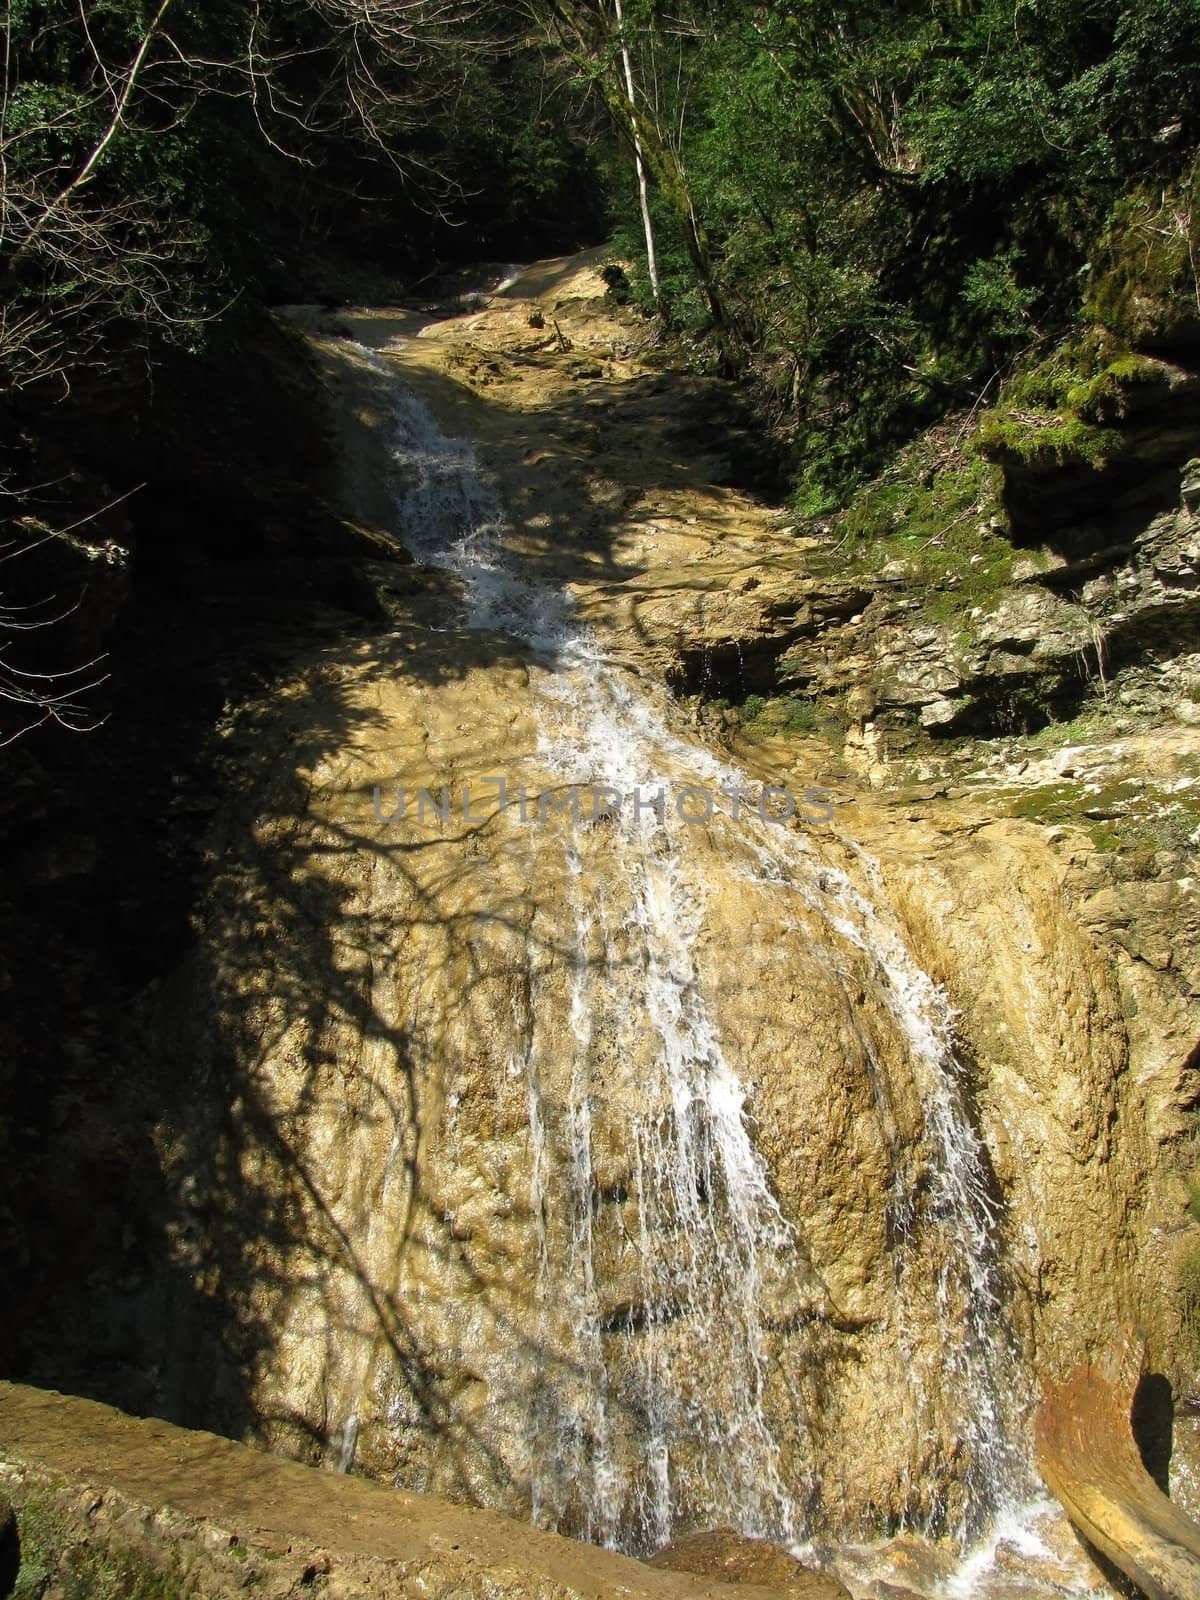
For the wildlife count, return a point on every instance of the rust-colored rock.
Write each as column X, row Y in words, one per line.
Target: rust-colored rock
column 1088, row 1456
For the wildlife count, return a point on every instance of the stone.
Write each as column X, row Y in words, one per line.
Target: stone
column 1066, row 763
column 731, row 1557
column 387, row 1029
column 381, row 1109
column 940, row 713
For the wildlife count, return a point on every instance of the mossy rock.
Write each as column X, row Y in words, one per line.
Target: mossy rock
column 1059, row 413
column 938, row 529
column 1089, row 420
column 1047, row 443
column 1143, row 281
column 1125, row 388
column 52, row 1552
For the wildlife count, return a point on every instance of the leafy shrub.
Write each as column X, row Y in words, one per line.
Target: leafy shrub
column 991, row 289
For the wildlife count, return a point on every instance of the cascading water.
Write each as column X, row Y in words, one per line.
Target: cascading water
column 663, row 1418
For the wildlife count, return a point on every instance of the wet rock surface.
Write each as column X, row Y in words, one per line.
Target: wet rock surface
column 400, row 1200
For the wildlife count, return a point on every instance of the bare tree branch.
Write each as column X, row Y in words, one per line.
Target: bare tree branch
column 97, row 154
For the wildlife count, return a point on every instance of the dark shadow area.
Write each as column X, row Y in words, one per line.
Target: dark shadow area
column 235, row 569
column 1111, row 1573
column 10, row 1556
column 1010, row 703
column 289, row 909
column 1152, row 1419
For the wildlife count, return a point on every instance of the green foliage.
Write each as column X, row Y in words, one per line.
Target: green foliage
column 869, row 210
column 1050, row 89
column 781, row 714
column 616, row 282
column 991, row 289
column 135, row 205
column 1144, row 278
column 864, row 212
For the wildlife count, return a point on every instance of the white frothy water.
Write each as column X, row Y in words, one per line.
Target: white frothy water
column 1014, row 1528
column 708, row 1227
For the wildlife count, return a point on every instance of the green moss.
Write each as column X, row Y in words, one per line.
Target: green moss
column 1099, row 722
column 782, row 714
column 51, row 1552
column 1136, row 820
column 940, row 510
column 938, row 513
column 1051, row 803
column 1042, row 443
column 921, row 495
column 1070, row 408
column 41, row 1540
column 1143, row 279
column 1110, row 395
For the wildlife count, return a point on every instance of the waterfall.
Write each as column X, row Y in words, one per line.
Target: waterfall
column 662, row 1415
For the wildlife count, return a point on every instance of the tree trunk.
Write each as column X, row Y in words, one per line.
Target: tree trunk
column 639, row 162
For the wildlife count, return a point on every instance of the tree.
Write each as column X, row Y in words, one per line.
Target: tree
column 639, row 159
column 38, row 696
column 119, row 128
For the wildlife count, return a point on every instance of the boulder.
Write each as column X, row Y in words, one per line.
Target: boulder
column 733, row 1558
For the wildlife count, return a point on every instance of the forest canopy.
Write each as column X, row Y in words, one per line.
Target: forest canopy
column 841, row 198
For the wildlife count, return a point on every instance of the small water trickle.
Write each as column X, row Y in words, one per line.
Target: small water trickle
column 349, row 1443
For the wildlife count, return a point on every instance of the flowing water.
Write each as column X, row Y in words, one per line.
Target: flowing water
column 680, row 1427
